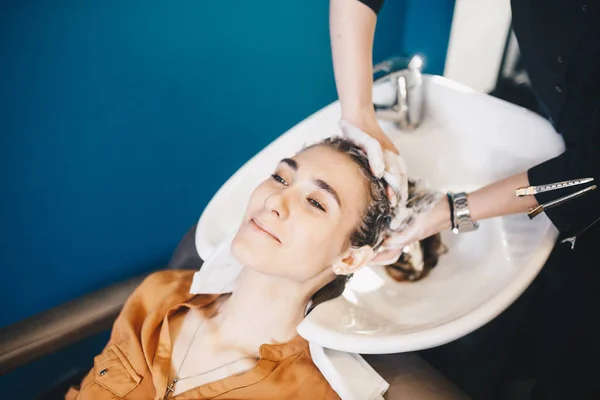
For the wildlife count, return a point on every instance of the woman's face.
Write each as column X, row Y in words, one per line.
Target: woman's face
column 298, row 222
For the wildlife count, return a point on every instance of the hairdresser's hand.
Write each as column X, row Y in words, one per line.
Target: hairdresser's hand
column 383, row 156
column 372, row 139
column 429, row 223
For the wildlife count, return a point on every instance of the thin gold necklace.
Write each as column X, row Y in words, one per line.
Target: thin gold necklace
column 171, row 387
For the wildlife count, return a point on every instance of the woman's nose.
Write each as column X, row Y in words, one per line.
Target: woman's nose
column 277, row 203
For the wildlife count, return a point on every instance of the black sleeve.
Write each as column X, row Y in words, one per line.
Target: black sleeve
column 580, row 160
column 374, row 5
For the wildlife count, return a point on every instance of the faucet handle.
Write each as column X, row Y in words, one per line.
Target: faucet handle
column 407, row 109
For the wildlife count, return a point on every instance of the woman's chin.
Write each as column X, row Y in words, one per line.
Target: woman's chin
column 250, row 252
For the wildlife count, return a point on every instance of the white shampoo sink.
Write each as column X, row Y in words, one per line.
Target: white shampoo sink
column 467, row 140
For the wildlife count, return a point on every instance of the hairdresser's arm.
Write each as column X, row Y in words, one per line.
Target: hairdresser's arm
column 580, row 160
column 494, row 200
column 574, row 217
column 498, row 199
column 352, row 29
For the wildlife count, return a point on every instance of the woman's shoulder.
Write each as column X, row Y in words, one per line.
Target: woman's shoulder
column 159, row 288
column 165, row 281
column 168, row 278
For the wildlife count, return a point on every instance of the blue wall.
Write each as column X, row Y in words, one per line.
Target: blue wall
column 120, row 119
column 426, row 30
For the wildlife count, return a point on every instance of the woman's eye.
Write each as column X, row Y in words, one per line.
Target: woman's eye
column 279, row 179
column 316, row 204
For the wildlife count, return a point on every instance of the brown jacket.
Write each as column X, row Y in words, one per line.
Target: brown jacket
column 136, row 362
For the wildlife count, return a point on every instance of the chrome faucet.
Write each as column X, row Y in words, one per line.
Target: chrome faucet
column 407, row 109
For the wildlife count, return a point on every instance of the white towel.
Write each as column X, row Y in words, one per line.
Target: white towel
column 218, row 272
column 348, row 374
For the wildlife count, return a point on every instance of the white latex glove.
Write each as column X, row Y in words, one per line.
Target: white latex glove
column 369, row 144
column 384, row 163
column 416, row 218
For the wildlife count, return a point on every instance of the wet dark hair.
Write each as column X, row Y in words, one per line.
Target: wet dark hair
column 375, row 219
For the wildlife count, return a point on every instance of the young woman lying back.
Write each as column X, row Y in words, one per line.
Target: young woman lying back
column 307, row 228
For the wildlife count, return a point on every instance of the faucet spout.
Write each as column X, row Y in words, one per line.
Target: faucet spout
column 406, row 111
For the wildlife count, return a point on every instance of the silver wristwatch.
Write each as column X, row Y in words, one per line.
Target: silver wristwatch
column 462, row 214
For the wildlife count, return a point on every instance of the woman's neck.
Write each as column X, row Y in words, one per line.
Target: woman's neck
column 262, row 309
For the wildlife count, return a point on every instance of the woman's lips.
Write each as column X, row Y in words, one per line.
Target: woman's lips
column 264, row 229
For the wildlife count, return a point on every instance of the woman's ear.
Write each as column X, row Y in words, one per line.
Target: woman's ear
column 353, row 261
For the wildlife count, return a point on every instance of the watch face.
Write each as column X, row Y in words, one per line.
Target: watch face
column 462, row 215
column 467, row 226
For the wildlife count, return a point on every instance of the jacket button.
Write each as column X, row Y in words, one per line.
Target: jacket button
column 558, row 89
column 103, row 372
column 584, row 8
column 559, row 59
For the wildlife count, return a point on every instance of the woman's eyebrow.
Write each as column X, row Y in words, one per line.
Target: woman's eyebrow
column 326, row 187
column 320, row 183
column 291, row 163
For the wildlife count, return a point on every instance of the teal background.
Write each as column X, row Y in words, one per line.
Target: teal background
column 120, row 119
